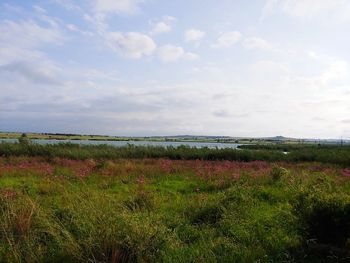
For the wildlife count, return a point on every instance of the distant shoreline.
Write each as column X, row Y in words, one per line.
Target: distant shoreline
column 176, row 138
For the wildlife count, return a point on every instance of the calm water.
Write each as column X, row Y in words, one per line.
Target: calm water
column 137, row 143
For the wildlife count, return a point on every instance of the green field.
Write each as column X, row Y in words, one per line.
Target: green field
column 69, row 203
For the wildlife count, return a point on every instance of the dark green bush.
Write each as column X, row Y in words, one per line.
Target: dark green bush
column 325, row 227
column 328, row 222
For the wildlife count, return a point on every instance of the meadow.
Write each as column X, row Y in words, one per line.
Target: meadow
column 69, row 203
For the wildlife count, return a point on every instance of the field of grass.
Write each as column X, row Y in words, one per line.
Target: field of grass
column 61, row 209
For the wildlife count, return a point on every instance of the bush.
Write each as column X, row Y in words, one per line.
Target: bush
column 24, row 140
column 329, row 223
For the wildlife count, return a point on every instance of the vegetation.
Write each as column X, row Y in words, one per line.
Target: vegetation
column 294, row 147
column 160, row 210
column 73, row 203
column 24, row 140
column 328, row 154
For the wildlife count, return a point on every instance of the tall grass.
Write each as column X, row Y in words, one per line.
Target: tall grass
column 62, row 210
column 334, row 155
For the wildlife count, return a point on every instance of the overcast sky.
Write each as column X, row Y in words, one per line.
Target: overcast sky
column 165, row 67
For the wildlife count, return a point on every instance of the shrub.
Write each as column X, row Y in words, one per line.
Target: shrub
column 329, row 222
column 325, row 226
column 24, row 140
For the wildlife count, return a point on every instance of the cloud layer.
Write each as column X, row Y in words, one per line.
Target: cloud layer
column 132, row 67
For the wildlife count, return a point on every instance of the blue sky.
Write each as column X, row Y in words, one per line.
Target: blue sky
column 152, row 67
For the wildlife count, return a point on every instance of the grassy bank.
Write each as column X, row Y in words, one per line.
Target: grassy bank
column 327, row 154
column 160, row 210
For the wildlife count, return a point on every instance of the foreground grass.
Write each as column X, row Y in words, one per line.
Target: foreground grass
column 160, row 210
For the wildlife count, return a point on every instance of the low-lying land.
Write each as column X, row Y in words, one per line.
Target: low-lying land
column 68, row 203
column 179, row 138
column 175, row 138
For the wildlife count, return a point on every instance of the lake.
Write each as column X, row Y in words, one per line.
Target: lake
column 137, row 143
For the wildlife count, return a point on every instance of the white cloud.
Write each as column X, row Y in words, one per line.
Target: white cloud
column 68, row 4
column 133, row 45
column 41, row 73
column 228, row 39
column 256, row 43
column 39, row 9
column 337, row 70
column 194, row 35
column 74, row 28
column 191, row 56
column 313, row 55
column 20, row 40
column 26, row 71
column 116, row 6
column 20, row 56
column 28, row 34
column 336, row 9
column 170, row 53
column 98, row 21
column 10, row 53
column 270, row 70
column 161, row 27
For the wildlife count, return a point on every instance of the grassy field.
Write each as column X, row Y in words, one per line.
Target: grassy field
column 71, row 206
column 172, row 211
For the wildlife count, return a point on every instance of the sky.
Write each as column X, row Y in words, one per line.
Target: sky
column 160, row 67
